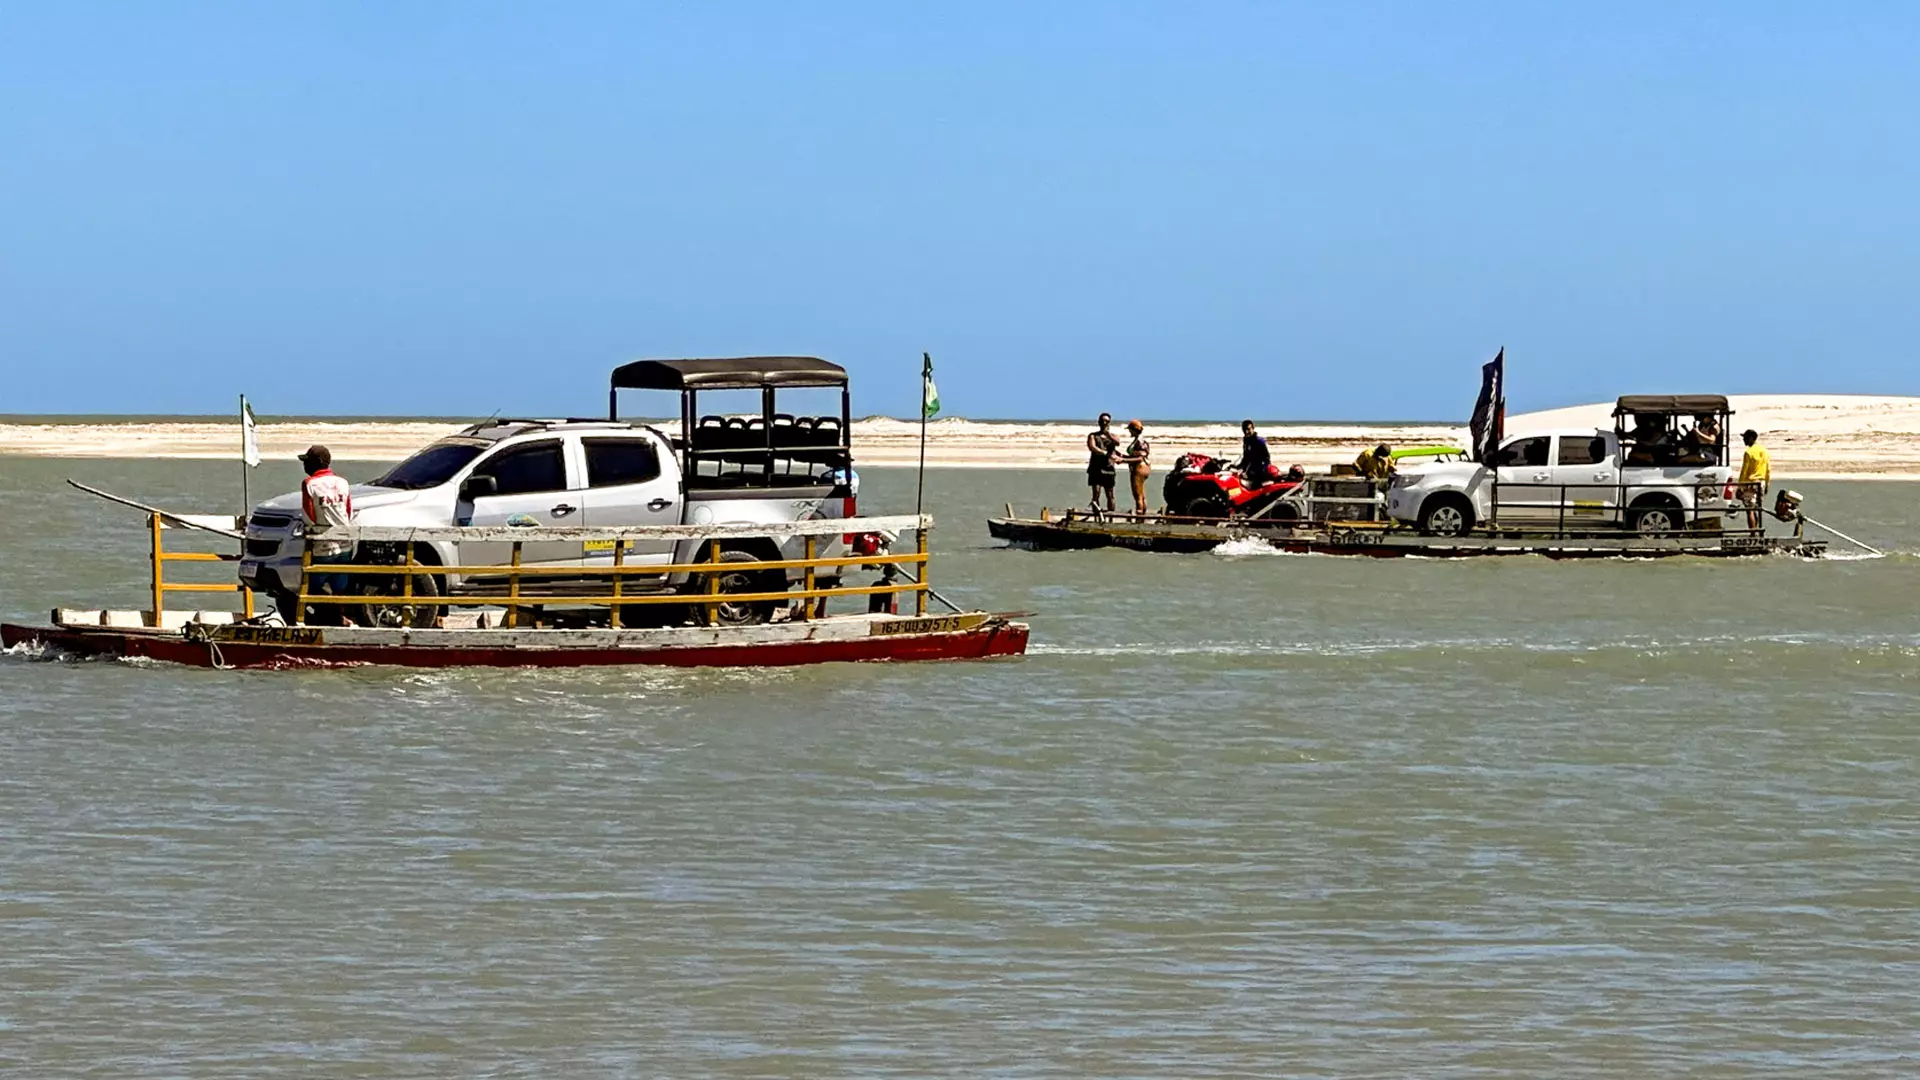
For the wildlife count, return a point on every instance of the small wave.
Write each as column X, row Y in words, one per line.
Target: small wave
column 1246, row 545
column 28, row 650
column 40, row 652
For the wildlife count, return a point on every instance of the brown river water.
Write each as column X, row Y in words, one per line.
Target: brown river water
column 1234, row 816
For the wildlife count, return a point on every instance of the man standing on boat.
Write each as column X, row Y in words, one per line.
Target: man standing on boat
column 1136, row 457
column 1756, row 472
column 1101, row 444
column 326, row 503
column 1255, row 463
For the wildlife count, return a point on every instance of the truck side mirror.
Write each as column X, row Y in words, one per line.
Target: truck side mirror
column 479, row 486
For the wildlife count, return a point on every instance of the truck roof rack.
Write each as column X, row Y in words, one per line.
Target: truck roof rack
column 1671, row 404
column 731, row 373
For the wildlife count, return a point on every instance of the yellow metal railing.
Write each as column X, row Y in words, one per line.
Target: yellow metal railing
column 707, row 594
column 159, row 586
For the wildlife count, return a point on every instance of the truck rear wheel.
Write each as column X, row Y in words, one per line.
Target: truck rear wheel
column 1657, row 518
column 739, row 577
column 421, row 613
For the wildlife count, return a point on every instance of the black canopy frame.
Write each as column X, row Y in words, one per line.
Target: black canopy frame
column 1634, row 406
column 767, row 374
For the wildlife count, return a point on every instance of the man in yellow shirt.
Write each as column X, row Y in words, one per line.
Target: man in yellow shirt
column 1375, row 464
column 1756, row 471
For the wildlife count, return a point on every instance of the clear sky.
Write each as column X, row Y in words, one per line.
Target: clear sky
column 1176, row 210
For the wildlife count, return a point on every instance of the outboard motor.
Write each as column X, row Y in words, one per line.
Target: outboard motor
column 1786, row 505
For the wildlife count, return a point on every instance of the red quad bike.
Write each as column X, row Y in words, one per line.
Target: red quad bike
column 1201, row 486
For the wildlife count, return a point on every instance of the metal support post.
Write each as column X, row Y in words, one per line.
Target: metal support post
column 306, row 577
column 920, row 595
column 619, row 560
column 513, row 588
column 159, row 587
column 806, row 582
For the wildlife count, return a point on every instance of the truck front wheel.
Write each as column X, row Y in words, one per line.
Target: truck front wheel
column 1446, row 514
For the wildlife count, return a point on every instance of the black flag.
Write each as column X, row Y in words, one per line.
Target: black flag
column 1490, row 412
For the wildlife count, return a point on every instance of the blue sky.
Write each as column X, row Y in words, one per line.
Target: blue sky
column 1172, row 210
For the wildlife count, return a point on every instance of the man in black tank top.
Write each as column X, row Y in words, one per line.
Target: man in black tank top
column 1101, row 443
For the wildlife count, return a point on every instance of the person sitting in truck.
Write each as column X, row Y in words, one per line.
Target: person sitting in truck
column 326, row 504
column 1256, row 463
column 1653, row 440
column 1700, row 445
column 1375, row 464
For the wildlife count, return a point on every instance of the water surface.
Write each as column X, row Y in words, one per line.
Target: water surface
column 1234, row 816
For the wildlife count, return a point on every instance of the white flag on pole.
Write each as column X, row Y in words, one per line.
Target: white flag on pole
column 249, row 437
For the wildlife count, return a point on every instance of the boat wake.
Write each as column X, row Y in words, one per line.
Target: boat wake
column 29, row 650
column 1252, row 546
column 1849, row 556
column 1719, row 644
column 1246, row 546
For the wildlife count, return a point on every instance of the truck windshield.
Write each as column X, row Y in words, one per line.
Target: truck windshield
column 430, row 467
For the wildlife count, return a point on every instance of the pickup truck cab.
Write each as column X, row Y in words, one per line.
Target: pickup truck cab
column 736, row 470
column 1646, row 474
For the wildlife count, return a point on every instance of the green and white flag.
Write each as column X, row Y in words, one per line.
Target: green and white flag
column 249, row 437
column 929, row 393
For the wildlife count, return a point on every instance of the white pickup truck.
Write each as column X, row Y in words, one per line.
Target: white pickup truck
column 1649, row 478
column 768, row 470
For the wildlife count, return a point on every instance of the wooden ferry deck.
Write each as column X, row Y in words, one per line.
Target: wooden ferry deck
column 1187, row 536
column 862, row 637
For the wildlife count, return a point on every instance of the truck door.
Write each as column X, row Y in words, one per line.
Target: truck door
column 532, row 489
column 627, row 485
column 1585, row 468
column 1526, row 493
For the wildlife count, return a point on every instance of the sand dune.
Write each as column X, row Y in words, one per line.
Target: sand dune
column 1811, row 435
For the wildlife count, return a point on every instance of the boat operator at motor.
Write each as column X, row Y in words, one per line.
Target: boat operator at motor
column 326, row 503
column 1756, row 472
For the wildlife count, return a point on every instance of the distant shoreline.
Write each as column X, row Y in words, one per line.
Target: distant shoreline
column 1809, row 436
column 123, row 419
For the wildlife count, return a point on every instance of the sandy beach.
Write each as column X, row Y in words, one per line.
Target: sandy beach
column 1810, row 435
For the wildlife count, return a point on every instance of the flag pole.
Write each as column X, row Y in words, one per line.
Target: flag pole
column 920, row 485
column 246, row 495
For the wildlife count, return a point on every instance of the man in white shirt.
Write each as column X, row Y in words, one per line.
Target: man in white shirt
column 326, row 503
